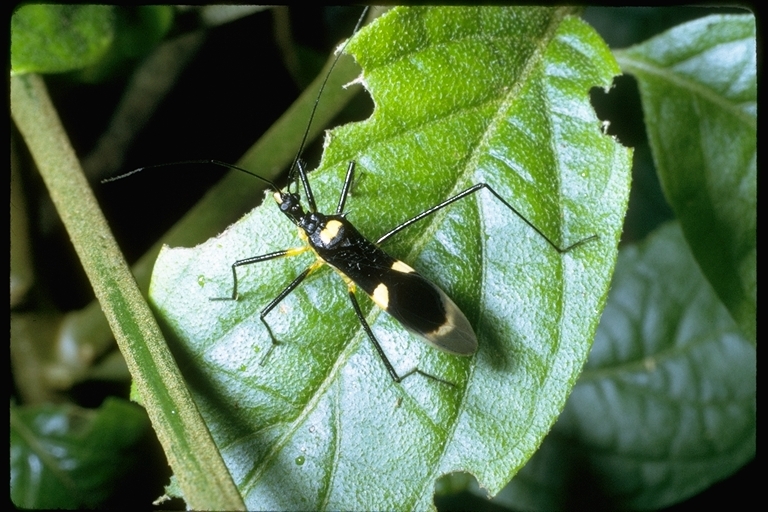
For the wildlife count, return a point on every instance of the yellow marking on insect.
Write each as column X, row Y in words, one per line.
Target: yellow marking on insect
column 316, row 265
column 399, row 266
column 380, row 296
column 278, row 197
column 330, row 231
column 297, row 250
column 448, row 326
column 443, row 330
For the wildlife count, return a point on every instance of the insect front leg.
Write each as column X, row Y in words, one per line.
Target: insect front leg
column 345, row 188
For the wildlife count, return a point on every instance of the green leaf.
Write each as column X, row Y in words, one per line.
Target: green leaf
column 463, row 95
column 699, row 90
column 137, row 31
column 58, row 38
column 666, row 404
column 63, row 456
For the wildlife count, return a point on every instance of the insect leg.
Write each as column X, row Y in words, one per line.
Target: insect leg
column 310, row 197
column 258, row 259
column 283, row 294
column 345, row 188
column 377, row 346
column 465, row 193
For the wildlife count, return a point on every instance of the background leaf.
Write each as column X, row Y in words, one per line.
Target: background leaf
column 462, row 96
column 699, row 90
column 57, row 38
column 666, row 404
column 62, row 456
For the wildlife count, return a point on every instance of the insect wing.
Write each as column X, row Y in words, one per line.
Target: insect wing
column 424, row 309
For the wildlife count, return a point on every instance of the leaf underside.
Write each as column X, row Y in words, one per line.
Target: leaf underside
column 462, row 95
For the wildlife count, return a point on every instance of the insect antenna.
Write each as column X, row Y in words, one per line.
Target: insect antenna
column 270, row 183
column 297, row 166
column 294, row 168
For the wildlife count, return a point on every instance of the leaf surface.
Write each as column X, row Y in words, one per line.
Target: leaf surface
column 58, row 38
column 64, row 457
column 699, row 90
column 462, row 95
column 666, row 404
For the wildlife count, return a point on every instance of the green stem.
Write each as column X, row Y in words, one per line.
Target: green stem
column 193, row 456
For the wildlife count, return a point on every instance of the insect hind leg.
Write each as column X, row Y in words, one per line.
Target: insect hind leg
column 467, row 192
column 367, row 328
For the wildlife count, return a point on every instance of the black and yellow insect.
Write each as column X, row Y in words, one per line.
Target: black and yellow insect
column 418, row 304
column 415, row 302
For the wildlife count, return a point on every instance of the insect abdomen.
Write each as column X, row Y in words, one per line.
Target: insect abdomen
column 424, row 309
